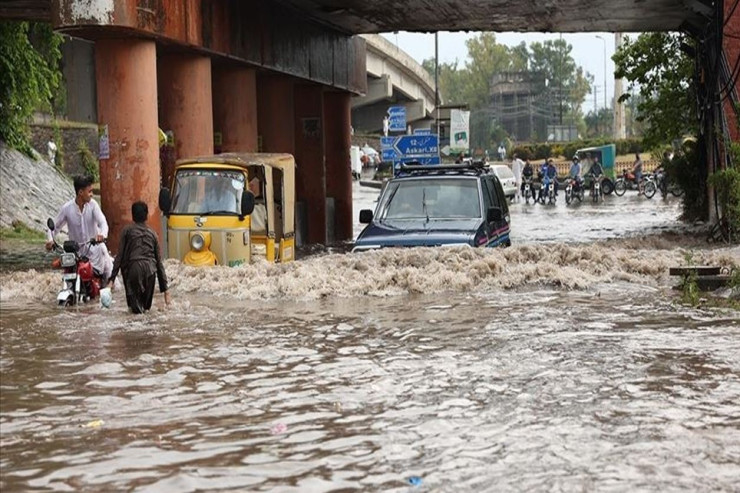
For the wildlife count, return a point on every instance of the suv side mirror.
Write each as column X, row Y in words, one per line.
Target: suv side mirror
column 50, row 224
column 366, row 216
column 495, row 215
column 247, row 205
column 164, row 200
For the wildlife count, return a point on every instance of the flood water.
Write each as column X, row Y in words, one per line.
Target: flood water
column 563, row 363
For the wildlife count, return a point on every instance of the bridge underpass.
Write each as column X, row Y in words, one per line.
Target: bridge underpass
column 394, row 78
column 257, row 72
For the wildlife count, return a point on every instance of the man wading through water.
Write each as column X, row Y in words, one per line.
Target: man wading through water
column 139, row 260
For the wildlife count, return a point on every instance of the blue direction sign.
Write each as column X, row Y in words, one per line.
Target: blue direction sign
column 417, row 145
column 397, row 118
column 423, row 131
column 388, row 154
column 387, row 142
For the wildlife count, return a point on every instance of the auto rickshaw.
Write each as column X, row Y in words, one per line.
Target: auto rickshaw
column 214, row 219
column 607, row 155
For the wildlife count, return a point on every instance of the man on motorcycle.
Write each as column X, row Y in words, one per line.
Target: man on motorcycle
column 637, row 170
column 551, row 175
column 85, row 221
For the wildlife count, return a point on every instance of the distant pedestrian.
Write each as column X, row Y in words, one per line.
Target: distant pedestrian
column 501, row 152
column 516, row 167
column 140, row 262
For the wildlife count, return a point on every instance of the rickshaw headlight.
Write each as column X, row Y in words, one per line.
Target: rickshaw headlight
column 197, row 242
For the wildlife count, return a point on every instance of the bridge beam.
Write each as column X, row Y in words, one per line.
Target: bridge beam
column 377, row 90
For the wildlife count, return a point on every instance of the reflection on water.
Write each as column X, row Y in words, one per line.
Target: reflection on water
column 613, row 387
column 563, row 367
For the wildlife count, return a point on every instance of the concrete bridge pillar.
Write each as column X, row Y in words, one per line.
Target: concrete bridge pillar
column 309, row 153
column 337, row 121
column 235, row 108
column 185, row 105
column 126, row 77
column 275, row 113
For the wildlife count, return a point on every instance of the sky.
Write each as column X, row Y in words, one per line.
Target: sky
column 588, row 52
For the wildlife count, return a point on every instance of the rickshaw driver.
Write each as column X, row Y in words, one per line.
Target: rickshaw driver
column 259, row 214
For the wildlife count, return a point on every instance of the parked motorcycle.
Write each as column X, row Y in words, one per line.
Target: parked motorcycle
column 81, row 282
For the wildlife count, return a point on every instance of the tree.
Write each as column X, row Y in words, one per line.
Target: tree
column 29, row 77
column 655, row 64
column 564, row 81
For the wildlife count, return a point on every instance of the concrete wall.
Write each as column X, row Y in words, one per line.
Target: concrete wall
column 78, row 67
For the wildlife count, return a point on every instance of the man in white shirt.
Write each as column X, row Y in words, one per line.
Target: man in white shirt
column 84, row 221
column 517, row 165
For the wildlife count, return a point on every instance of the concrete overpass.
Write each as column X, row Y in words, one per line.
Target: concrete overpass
column 393, row 78
column 257, row 72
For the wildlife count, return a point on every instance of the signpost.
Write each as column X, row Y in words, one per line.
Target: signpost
column 423, row 149
column 397, row 119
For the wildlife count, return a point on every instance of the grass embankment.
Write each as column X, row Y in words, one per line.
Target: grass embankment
column 19, row 231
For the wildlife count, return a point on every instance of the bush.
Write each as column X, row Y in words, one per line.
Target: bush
column 686, row 169
column 88, row 160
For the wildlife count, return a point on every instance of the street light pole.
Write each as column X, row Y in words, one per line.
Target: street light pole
column 604, row 41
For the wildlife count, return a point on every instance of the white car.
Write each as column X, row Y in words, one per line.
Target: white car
column 506, row 177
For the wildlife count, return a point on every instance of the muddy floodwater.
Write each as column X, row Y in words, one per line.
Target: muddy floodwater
column 563, row 363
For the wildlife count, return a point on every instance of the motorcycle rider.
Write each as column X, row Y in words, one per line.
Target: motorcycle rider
column 551, row 175
column 637, row 170
column 527, row 175
column 575, row 172
column 85, row 221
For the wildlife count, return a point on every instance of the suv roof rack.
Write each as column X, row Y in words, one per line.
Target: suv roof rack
column 470, row 167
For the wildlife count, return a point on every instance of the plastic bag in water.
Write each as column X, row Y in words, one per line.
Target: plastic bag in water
column 106, row 297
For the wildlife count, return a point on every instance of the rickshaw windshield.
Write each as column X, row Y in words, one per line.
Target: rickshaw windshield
column 207, row 192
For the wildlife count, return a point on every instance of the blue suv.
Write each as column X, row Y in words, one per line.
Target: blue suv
column 438, row 205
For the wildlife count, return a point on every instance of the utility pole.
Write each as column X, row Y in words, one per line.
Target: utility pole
column 619, row 126
column 560, row 77
column 604, row 41
column 436, row 79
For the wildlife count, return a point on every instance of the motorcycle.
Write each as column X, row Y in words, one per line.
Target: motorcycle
column 530, row 190
column 547, row 192
column 596, row 192
column 628, row 181
column 573, row 190
column 665, row 185
column 81, row 282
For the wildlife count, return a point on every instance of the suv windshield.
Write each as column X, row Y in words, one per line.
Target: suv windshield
column 431, row 198
column 207, row 192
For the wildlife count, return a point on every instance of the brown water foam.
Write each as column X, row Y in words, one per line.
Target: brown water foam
column 392, row 272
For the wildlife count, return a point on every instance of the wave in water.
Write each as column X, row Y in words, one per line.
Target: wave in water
column 419, row 270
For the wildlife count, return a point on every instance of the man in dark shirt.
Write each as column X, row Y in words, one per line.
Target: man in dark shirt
column 139, row 260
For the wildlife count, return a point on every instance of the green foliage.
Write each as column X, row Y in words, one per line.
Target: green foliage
column 29, row 77
column 470, row 84
column 543, row 151
column 689, row 285
column 655, row 64
column 686, row 169
column 19, row 231
column 88, row 160
column 727, row 187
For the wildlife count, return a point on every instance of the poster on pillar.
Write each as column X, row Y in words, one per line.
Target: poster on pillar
column 459, row 131
column 103, row 142
column 311, row 128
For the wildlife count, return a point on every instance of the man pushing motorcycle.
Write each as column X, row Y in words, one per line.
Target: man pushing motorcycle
column 85, row 221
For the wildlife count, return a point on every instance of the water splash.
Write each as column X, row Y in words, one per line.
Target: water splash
column 394, row 272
